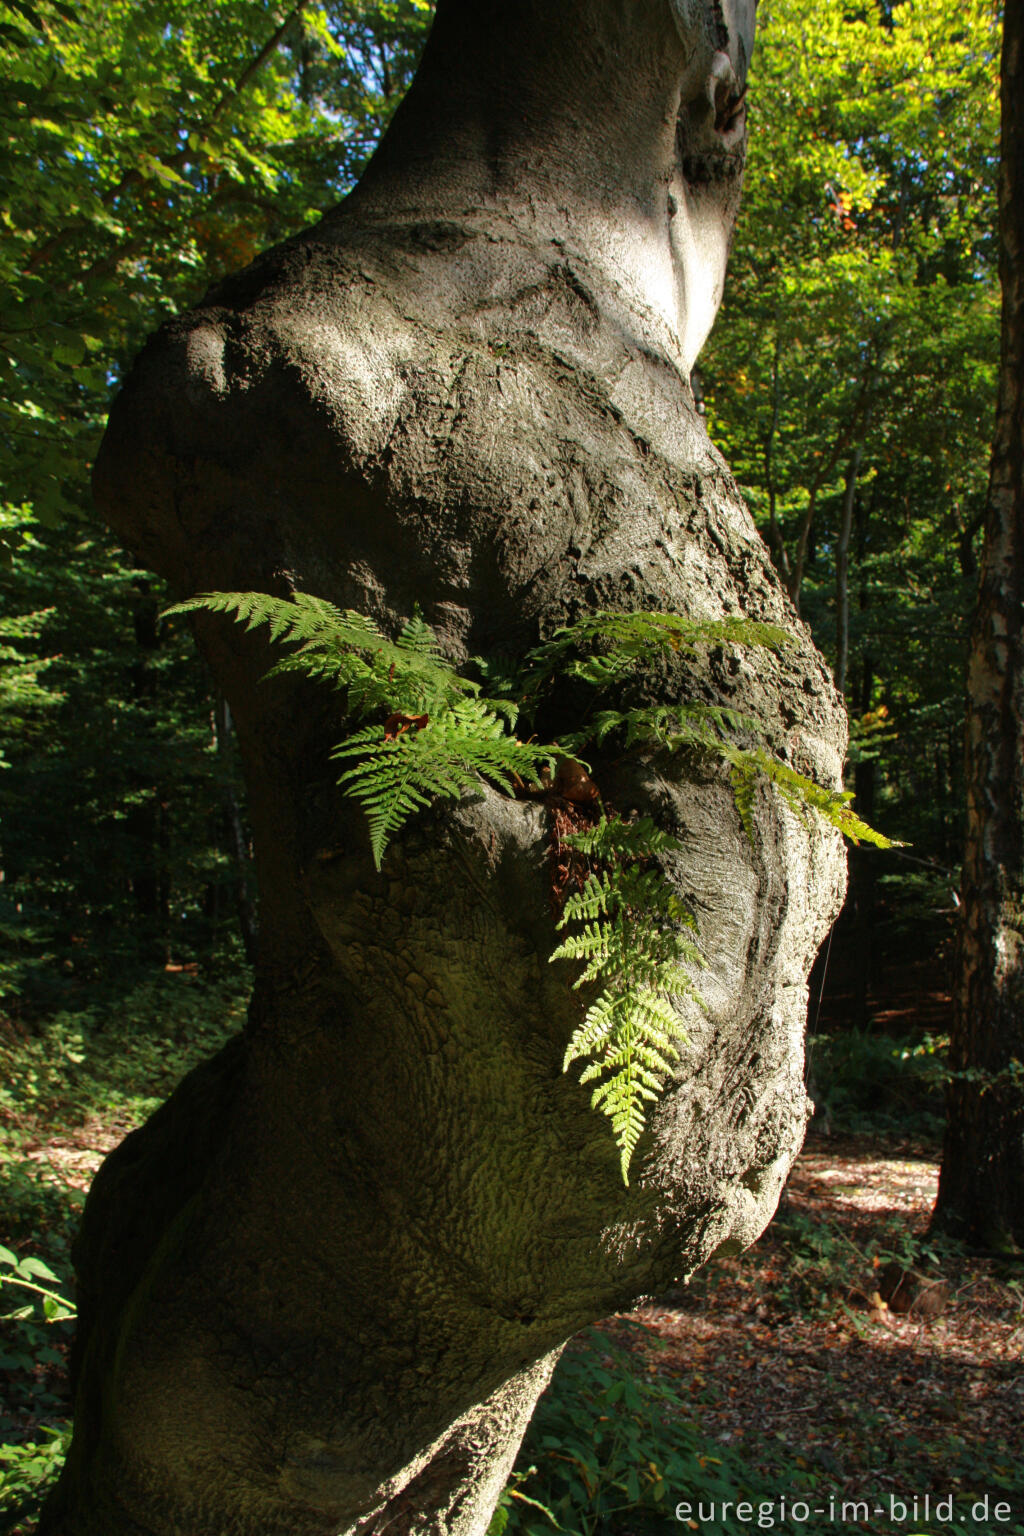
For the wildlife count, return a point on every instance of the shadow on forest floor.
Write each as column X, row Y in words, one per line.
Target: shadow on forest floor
column 789, row 1356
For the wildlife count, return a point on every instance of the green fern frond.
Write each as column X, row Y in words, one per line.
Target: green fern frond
column 592, row 899
column 445, row 759
column 507, row 711
column 630, row 1085
column 628, row 936
column 647, row 1073
column 298, row 618
column 619, row 641
column 660, row 1020
column 612, row 836
column 610, row 1023
column 647, row 891
column 347, row 649
column 743, row 779
column 801, row 794
column 668, row 727
column 419, row 639
column 600, row 1022
column 590, row 943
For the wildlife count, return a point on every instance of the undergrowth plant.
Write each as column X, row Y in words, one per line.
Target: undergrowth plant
column 608, row 1449
column 41, row 1287
column 424, row 732
column 105, row 1065
column 35, row 1316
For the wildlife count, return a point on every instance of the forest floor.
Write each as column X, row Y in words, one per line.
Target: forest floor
column 790, row 1355
column 794, row 1370
column 788, row 1358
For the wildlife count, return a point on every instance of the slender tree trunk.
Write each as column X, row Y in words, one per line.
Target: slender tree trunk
column 776, row 541
column 795, row 579
column 981, row 1190
column 863, row 866
column 855, row 429
column 843, row 567
column 244, row 905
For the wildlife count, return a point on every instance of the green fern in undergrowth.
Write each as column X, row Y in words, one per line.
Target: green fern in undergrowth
column 630, row 935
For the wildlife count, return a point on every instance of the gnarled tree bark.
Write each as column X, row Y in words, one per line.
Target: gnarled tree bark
column 323, row 1287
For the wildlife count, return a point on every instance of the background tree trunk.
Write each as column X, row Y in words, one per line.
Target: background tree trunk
column 843, row 566
column 981, row 1191
column 234, row 829
column 323, row 1286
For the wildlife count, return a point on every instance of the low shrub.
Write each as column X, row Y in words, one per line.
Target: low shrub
column 609, row 1453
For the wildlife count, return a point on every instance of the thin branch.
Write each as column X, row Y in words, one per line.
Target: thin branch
column 109, row 198
column 774, row 531
column 255, row 65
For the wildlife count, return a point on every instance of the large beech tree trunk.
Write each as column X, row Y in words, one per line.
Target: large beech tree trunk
column 981, row 1190
column 322, row 1288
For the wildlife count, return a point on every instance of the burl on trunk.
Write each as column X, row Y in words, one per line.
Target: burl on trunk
column 323, row 1287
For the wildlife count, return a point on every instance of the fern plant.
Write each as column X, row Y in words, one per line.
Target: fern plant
column 347, row 650
column 749, row 766
column 631, row 935
column 439, row 737
column 602, row 648
column 400, row 770
column 436, row 736
column 607, row 648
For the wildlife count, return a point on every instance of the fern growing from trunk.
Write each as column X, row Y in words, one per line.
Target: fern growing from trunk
column 439, row 737
column 399, row 771
column 606, row 649
column 631, row 936
column 436, row 737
